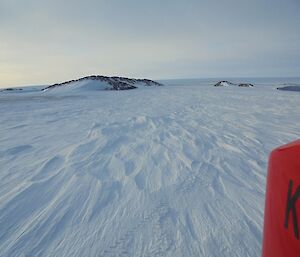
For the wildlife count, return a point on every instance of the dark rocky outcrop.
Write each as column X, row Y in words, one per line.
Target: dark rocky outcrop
column 116, row 83
column 225, row 83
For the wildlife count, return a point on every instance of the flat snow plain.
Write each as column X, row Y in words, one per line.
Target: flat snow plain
column 162, row 171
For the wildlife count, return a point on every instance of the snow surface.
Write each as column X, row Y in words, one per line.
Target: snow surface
column 162, row 171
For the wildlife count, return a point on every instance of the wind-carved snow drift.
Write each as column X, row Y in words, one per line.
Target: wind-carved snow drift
column 97, row 82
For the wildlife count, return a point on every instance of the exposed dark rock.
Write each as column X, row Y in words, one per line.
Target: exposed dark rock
column 246, row 85
column 223, row 83
column 117, row 83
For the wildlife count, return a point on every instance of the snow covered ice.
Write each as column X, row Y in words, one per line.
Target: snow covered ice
column 158, row 171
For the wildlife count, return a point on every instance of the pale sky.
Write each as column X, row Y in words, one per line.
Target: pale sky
column 48, row 41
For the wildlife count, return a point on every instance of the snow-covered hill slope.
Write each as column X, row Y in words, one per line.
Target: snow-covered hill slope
column 164, row 171
column 94, row 83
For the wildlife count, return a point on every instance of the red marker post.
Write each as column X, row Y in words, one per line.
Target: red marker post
column 282, row 208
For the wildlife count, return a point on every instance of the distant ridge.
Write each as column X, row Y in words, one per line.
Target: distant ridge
column 290, row 88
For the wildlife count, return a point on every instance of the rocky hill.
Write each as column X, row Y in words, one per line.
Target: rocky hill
column 225, row 83
column 98, row 82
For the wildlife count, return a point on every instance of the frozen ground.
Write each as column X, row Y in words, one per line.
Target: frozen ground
column 168, row 171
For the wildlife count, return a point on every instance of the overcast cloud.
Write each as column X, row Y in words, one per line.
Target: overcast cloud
column 49, row 41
